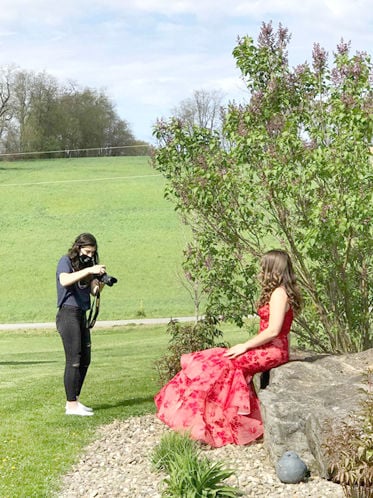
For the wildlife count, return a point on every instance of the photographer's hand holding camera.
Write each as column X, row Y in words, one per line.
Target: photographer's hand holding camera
column 67, row 279
column 79, row 275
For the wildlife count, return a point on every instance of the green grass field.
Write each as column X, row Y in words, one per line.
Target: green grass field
column 38, row 442
column 45, row 204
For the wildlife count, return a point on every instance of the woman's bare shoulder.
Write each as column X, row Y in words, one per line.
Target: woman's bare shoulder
column 280, row 292
column 279, row 295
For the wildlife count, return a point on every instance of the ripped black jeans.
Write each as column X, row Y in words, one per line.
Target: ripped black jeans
column 76, row 338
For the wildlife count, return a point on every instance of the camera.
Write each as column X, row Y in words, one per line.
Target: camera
column 86, row 261
column 106, row 279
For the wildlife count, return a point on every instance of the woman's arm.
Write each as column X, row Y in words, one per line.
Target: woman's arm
column 278, row 305
column 67, row 279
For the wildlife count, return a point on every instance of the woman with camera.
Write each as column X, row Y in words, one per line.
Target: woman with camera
column 77, row 277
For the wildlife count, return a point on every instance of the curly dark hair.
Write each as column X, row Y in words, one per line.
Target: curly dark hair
column 277, row 270
column 82, row 240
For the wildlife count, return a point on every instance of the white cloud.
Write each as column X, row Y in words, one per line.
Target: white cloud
column 151, row 54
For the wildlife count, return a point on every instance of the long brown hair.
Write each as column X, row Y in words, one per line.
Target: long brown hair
column 82, row 240
column 277, row 270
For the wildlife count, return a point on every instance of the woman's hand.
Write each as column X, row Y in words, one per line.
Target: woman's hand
column 97, row 269
column 67, row 279
column 235, row 351
column 96, row 287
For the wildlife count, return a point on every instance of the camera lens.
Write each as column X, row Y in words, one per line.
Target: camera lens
column 108, row 279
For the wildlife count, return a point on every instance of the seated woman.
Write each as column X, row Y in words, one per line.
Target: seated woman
column 213, row 396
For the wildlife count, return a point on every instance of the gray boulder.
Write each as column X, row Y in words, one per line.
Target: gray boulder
column 305, row 393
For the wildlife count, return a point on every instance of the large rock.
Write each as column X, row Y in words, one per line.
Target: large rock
column 302, row 395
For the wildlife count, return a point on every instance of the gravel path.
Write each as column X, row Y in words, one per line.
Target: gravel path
column 117, row 465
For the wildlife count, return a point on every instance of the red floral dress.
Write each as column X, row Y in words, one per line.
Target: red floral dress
column 213, row 397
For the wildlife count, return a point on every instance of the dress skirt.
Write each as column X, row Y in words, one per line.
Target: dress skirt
column 213, row 398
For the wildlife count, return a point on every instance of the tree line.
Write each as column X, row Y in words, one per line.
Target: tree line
column 37, row 113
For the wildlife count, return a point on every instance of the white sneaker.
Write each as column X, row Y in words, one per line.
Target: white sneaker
column 78, row 411
column 86, row 408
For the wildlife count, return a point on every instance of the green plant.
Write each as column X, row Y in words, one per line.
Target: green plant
column 189, row 474
column 196, row 477
column 349, row 448
column 140, row 313
column 291, row 168
column 171, row 444
column 187, row 338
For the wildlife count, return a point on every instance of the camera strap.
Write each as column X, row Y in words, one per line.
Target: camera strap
column 94, row 311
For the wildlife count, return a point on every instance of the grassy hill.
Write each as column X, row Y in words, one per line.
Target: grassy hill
column 45, row 204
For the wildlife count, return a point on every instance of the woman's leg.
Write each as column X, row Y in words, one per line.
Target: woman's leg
column 69, row 327
column 85, row 358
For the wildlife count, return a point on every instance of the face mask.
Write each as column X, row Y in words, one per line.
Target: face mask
column 86, row 261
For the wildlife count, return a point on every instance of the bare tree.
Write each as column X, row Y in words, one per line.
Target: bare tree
column 202, row 110
column 6, row 75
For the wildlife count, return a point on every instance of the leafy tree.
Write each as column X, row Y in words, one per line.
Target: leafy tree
column 38, row 114
column 297, row 174
column 21, row 91
column 42, row 126
column 88, row 120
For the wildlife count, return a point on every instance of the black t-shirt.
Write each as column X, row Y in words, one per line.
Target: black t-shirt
column 77, row 294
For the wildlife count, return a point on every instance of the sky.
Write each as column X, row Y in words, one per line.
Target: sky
column 149, row 55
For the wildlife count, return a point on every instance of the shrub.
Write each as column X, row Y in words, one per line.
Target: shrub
column 291, row 168
column 349, row 448
column 187, row 338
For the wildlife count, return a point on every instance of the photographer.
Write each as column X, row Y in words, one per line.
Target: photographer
column 78, row 277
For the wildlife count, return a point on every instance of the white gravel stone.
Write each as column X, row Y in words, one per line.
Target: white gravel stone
column 117, row 465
